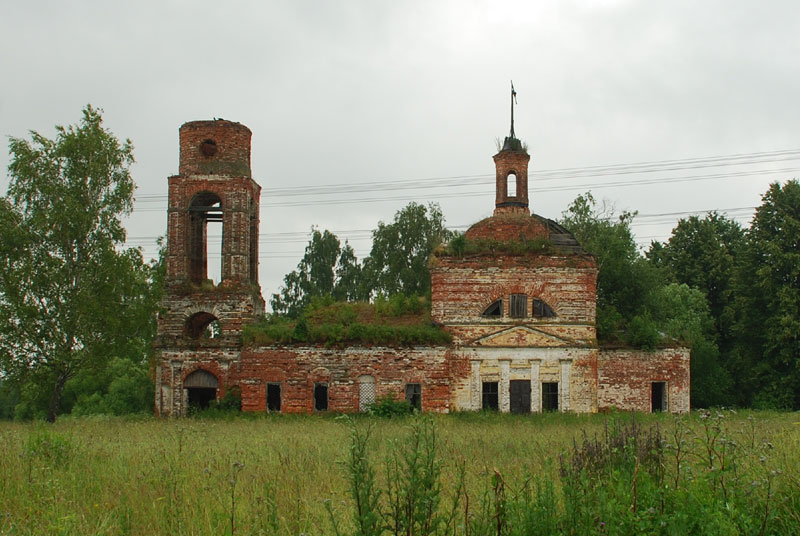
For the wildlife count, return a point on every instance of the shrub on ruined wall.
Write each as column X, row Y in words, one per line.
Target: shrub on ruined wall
column 394, row 321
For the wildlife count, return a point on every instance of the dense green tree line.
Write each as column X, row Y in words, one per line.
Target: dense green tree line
column 732, row 294
column 397, row 263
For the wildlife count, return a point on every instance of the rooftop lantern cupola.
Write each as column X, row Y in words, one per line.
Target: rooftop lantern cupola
column 511, row 164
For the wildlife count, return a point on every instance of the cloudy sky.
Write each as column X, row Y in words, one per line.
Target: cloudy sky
column 387, row 102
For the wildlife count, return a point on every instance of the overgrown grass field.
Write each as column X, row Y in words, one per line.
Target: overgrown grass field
column 717, row 473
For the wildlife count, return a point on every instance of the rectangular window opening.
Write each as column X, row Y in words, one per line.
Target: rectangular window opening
column 490, row 399
column 550, row 396
column 273, row 396
column 414, row 395
column 658, row 397
column 518, row 306
column 320, row 397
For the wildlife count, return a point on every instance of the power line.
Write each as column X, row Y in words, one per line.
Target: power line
column 543, row 175
column 359, row 234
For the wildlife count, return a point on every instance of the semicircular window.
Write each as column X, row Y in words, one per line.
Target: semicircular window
column 541, row 309
column 203, row 326
column 202, row 379
column 495, row 309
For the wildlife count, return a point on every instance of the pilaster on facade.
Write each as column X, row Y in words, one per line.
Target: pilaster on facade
column 475, row 385
column 536, row 383
column 504, row 384
column 564, row 385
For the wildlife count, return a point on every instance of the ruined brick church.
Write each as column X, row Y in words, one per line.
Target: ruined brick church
column 523, row 325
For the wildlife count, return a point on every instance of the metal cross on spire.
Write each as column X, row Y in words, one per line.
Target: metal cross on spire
column 513, row 100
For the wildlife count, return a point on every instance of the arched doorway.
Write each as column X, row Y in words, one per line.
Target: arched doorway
column 201, row 387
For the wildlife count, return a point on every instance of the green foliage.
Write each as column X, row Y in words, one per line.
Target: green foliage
column 49, row 447
column 121, row 388
column 768, row 303
column 9, row 398
column 396, row 321
column 389, row 406
column 682, row 314
column 413, row 483
column 723, row 473
column 697, row 477
column 326, row 269
column 401, row 305
column 642, row 332
column 702, row 253
column 636, row 307
column 363, row 486
column 398, row 260
column 226, row 408
column 231, row 401
column 71, row 296
column 624, row 278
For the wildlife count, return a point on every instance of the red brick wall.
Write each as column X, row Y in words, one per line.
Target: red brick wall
column 232, row 148
column 507, row 162
column 297, row 369
column 239, row 198
column 513, row 226
column 461, row 289
column 625, row 377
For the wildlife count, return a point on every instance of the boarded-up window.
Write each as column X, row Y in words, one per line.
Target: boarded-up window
column 541, row 309
column 490, row 399
column 274, row 396
column 320, row 397
column 414, row 395
column 519, row 306
column 366, row 392
column 494, row 310
column 519, row 393
column 550, row 396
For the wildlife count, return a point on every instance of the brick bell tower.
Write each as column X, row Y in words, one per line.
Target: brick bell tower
column 511, row 165
column 200, row 323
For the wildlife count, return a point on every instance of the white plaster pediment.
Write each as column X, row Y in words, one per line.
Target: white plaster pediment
column 522, row 336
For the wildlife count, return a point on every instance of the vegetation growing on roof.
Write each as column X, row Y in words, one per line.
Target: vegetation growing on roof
column 460, row 246
column 396, row 321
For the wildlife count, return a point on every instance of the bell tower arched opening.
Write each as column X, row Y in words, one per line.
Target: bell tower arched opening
column 205, row 237
column 203, row 326
column 511, row 186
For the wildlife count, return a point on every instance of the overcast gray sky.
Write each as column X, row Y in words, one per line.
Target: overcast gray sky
column 374, row 92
